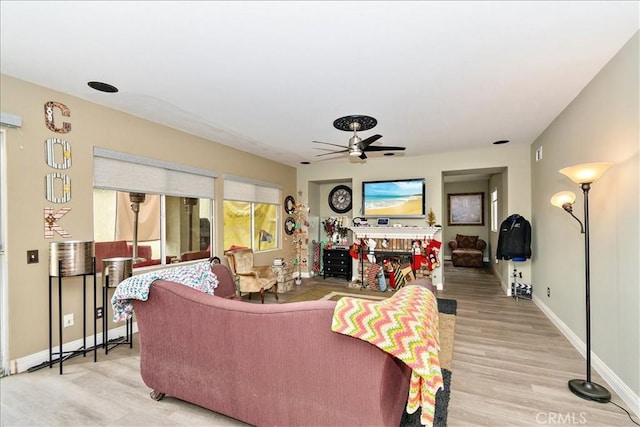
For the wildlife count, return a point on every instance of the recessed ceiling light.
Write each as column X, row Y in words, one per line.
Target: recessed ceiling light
column 502, row 141
column 103, row 87
column 305, row 163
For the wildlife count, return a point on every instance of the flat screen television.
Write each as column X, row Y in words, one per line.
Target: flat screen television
column 399, row 198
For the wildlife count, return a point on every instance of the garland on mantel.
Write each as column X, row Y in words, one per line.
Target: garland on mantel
column 418, row 233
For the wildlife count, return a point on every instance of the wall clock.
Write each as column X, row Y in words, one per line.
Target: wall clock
column 340, row 199
column 289, row 204
column 289, row 225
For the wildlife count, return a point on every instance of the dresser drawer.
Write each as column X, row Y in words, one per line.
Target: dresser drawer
column 336, row 254
column 337, row 262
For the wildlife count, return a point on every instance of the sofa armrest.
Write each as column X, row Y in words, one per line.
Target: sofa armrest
column 481, row 244
column 453, row 245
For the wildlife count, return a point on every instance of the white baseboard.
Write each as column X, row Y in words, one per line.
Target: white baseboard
column 23, row 364
column 619, row 387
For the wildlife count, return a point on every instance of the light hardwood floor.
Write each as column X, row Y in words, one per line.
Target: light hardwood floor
column 510, row 368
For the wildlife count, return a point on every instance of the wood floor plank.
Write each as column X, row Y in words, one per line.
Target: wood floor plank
column 510, row 368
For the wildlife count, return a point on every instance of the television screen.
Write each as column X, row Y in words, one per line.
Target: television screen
column 400, row 198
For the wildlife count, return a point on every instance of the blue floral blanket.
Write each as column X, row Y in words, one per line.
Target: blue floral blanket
column 197, row 276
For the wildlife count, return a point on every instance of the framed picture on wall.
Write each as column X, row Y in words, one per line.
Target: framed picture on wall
column 466, row 208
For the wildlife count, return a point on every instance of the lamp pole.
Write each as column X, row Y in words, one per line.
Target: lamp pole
column 581, row 388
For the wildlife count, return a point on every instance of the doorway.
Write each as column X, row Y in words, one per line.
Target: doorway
column 492, row 184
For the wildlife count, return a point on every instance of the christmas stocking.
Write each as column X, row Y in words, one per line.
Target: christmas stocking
column 432, row 254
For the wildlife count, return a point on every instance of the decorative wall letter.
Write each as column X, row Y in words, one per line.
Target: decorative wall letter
column 50, row 154
column 51, row 224
column 62, row 180
column 48, row 116
column 49, row 184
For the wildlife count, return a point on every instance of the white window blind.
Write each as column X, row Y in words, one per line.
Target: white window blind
column 247, row 190
column 114, row 170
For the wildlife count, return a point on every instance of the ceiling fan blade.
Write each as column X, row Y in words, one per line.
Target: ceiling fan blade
column 363, row 156
column 333, row 152
column 326, row 149
column 384, row 148
column 368, row 141
column 328, row 143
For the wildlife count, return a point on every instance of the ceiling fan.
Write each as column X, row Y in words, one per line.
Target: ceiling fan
column 357, row 147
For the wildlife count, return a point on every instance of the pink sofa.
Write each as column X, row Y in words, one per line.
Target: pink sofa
column 272, row 364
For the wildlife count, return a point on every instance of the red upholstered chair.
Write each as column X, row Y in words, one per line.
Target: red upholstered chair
column 119, row 248
column 190, row 256
column 144, row 251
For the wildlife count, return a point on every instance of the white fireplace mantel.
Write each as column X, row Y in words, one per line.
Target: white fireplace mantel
column 411, row 233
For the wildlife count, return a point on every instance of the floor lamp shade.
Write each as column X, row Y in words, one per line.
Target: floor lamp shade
column 586, row 173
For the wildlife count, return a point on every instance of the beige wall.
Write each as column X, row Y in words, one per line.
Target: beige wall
column 92, row 126
column 515, row 158
column 601, row 124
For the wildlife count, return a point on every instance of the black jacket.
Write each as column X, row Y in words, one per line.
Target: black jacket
column 514, row 240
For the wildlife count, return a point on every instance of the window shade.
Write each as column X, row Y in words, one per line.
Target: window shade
column 247, row 190
column 114, row 170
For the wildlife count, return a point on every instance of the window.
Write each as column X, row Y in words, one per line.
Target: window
column 494, row 210
column 251, row 214
column 154, row 211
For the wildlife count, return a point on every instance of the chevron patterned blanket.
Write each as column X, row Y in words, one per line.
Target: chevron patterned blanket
column 405, row 326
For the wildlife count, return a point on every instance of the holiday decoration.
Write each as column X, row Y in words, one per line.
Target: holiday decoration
column 432, row 249
column 300, row 239
column 431, row 218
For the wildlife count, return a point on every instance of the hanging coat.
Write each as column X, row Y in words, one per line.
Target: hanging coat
column 514, row 240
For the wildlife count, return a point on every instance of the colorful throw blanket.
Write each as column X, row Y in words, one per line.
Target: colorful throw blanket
column 405, row 326
column 197, row 276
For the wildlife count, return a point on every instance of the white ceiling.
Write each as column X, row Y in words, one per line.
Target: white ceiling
column 270, row 77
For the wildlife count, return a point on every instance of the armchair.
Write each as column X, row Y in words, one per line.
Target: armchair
column 249, row 277
column 467, row 251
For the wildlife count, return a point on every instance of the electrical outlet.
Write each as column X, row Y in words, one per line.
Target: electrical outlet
column 99, row 312
column 549, row 292
column 68, row 320
column 32, row 257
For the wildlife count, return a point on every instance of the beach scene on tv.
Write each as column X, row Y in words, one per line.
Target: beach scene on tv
column 393, row 198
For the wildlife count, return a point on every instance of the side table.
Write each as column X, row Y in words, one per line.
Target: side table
column 284, row 276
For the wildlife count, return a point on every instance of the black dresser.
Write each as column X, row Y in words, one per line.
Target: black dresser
column 337, row 262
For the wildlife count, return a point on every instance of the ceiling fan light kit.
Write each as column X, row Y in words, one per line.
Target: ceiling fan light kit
column 357, row 146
